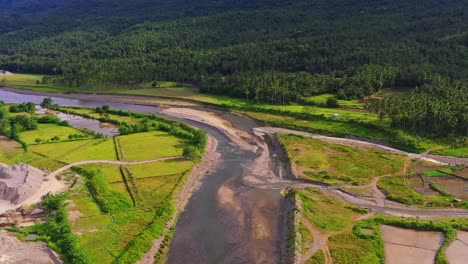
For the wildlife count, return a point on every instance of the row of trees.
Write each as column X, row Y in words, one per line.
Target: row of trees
column 281, row 88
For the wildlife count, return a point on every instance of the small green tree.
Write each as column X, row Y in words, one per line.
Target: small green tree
column 191, row 152
column 47, row 102
column 332, row 102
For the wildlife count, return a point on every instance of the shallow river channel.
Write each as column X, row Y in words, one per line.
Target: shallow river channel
column 225, row 220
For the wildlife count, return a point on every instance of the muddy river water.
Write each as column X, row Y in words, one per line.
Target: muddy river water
column 226, row 220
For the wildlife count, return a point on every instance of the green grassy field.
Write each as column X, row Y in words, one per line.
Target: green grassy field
column 322, row 100
column 102, row 149
column 448, row 151
column 336, row 219
column 349, row 248
column 161, row 169
column 47, row 131
column 105, row 236
column 30, row 81
column 325, row 211
column 92, row 113
column 397, row 188
column 150, row 145
column 334, row 163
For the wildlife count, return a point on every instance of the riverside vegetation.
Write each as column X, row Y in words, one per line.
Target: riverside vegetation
column 111, row 213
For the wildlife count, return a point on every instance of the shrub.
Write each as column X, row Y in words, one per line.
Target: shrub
column 109, row 201
column 332, row 102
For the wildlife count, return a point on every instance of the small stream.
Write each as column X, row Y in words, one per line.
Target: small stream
column 91, row 124
column 80, row 122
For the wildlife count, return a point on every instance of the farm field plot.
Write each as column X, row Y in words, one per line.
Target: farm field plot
column 106, row 236
column 103, row 236
column 333, row 219
column 397, row 188
column 48, row 131
column 99, row 149
column 427, row 184
column 12, row 153
column 335, row 163
column 149, row 145
column 60, row 149
column 161, row 169
column 406, row 246
column 325, row 211
column 322, row 100
column 8, row 146
column 111, row 173
column 92, row 113
column 346, row 247
column 457, row 252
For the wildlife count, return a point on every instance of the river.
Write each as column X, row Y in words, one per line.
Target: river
column 225, row 220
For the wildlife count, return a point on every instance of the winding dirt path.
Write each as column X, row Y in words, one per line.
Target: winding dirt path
column 53, row 185
column 108, row 162
column 424, row 156
column 319, row 241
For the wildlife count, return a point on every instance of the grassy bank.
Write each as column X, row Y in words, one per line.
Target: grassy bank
column 335, row 219
column 335, row 163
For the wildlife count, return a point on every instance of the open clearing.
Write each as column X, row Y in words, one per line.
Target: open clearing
column 457, row 252
column 326, row 226
column 335, row 163
column 406, row 246
column 149, row 145
column 48, row 131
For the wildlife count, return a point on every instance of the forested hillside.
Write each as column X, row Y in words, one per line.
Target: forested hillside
column 332, row 37
column 264, row 50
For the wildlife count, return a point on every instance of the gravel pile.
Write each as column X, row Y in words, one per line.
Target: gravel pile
column 19, row 182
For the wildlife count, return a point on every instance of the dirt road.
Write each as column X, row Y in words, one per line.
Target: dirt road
column 424, row 156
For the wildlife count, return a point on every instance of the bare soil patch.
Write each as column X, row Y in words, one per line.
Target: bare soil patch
column 8, row 146
column 457, row 252
column 406, row 246
column 215, row 121
column 5, row 73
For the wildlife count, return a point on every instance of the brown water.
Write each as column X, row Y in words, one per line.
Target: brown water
column 225, row 221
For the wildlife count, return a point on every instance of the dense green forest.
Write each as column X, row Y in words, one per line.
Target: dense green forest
column 264, row 50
